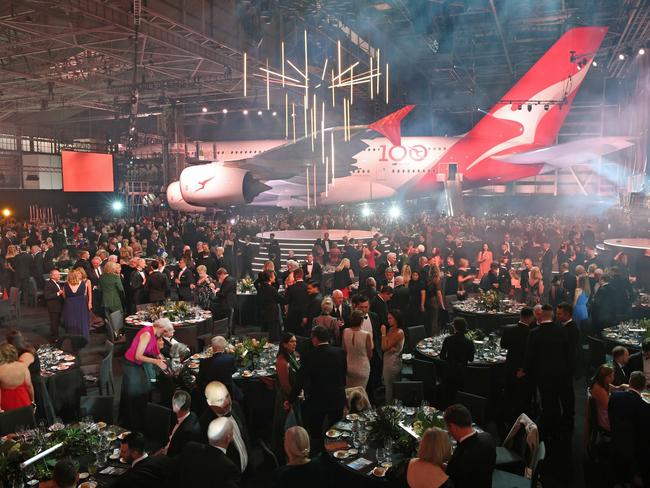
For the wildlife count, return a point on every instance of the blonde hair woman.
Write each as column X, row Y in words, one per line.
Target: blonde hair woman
column 406, row 274
column 426, row 470
column 83, row 277
column 535, row 287
column 326, row 320
column 581, row 299
column 342, row 277
column 112, row 288
column 76, row 307
column 16, row 388
column 300, row 471
column 202, row 291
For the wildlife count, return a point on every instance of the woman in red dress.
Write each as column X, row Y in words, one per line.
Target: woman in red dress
column 16, row 388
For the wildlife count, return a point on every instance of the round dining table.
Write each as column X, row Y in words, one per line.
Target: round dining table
column 486, row 352
column 63, row 380
column 630, row 334
column 487, row 320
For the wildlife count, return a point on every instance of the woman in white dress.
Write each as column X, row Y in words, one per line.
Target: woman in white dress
column 392, row 343
column 357, row 344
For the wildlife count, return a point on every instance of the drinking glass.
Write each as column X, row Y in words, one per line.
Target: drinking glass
column 424, row 405
column 363, row 438
column 381, row 455
column 388, row 445
column 29, row 472
column 356, row 440
column 101, row 457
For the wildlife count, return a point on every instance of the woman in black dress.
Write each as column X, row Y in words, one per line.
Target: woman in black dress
column 27, row 354
column 457, row 350
column 417, row 299
column 342, row 279
column 268, row 303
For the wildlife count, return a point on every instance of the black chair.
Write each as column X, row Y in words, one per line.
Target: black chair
column 262, row 461
column 33, row 293
column 503, row 479
column 514, row 456
column 477, row 405
column 100, row 408
column 411, row 393
column 157, row 425
column 477, row 381
column 106, row 381
column 18, row 417
column 219, row 327
column 425, row 371
column 14, row 301
column 414, row 335
column 117, row 322
column 72, row 343
column 597, row 353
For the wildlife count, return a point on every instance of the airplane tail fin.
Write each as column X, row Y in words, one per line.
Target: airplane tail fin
column 538, row 103
column 390, row 126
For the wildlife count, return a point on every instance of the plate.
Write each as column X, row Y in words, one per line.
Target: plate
column 62, row 367
column 341, row 454
column 69, row 357
column 88, row 484
column 407, row 357
column 114, row 456
column 123, row 434
column 83, row 476
column 379, row 472
column 353, row 452
column 123, row 461
column 246, row 374
column 100, row 425
column 195, row 356
column 333, row 433
column 352, row 416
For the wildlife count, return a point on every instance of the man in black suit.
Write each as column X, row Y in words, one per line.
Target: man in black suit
column 547, row 266
column 372, row 325
column 640, row 361
column 620, row 359
column 365, row 272
column 23, row 269
column 400, row 298
column 146, row 471
column 341, row 310
column 629, row 417
column 158, row 283
column 94, row 275
column 473, row 460
column 314, row 305
column 221, row 405
column 322, row 375
column 547, row 362
column 603, row 306
column 206, row 466
column 53, row 295
column 38, row 265
column 83, row 261
column 379, row 304
column 186, row 429
column 297, row 301
column 564, row 313
column 183, row 281
column 219, row 367
column 311, row 269
column 490, row 280
column 138, row 282
column 275, row 253
column 569, row 282
column 224, row 298
column 268, row 301
column 518, row 387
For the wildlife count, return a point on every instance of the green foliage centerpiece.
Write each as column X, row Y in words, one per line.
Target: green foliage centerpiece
column 248, row 351
column 489, row 300
column 174, row 311
column 246, row 285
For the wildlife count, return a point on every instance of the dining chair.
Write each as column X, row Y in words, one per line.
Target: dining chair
column 410, row 393
column 478, row 381
column 515, row 453
column 10, row 420
column 503, row 479
column 476, row 404
column 117, row 321
column 14, row 301
column 100, row 408
column 414, row 335
column 157, row 425
column 425, row 371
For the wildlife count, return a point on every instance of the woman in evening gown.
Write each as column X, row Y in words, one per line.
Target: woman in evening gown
column 357, row 344
column 77, row 305
column 580, row 300
column 392, row 343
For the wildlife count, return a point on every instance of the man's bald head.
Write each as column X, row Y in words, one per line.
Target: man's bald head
column 220, row 432
column 218, row 398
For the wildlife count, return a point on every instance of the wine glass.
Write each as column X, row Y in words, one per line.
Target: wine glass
column 381, row 456
column 388, row 445
column 29, row 472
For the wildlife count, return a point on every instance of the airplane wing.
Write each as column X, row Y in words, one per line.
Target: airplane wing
column 569, row 154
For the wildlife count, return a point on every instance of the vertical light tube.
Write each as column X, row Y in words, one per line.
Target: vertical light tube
column 372, row 91
column 282, row 56
column 333, row 95
column 351, row 84
column 245, row 75
column 293, row 116
column 333, row 168
column 387, row 84
column 268, row 90
column 378, row 65
column 286, row 116
column 308, row 197
column 327, row 168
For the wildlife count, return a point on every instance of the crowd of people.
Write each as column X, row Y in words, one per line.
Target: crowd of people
column 340, row 343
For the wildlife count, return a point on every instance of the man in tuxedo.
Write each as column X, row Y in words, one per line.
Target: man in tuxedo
column 564, row 313
column 207, row 259
column 569, row 282
column 183, row 281
column 83, row 261
column 138, row 282
column 312, row 270
column 206, row 466
column 23, row 269
column 221, row 405
column 275, row 253
column 400, row 298
column 224, row 298
column 518, row 387
column 547, row 265
column 322, row 375
column 473, row 460
column 390, row 263
column 379, row 304
column 629, row 417
column 94, row 275
column 490, row 280
column 314, row 305
column 603, row 307
column 297, row 300
column 53, row 295
column 146, row 471
column 547, row 362
column 640, row 361
column 158, row 283
column 388, row 278
column 620, row 357
column 372, row 325
column 365, row 272
column 341, row 310
column 327, row 245
column 219, row 367
column 38, row 265
column 186, row 429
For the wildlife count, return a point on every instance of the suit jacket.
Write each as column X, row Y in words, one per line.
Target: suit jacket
column 400, row 298
column 53, row 301
column 22, row 266
column 238, row 416
column 186, row 279
column 515, row 339
column 83, row 263
column 472, row 462
column 297, row 299
column 620, row 375
column 112, row 292
column 573, row 336
column 226, row 298
column 138, row 290
column 268, row 299
column 38, row 267
column 322, row 375
column 364, row 274
column 547, row 265
column 344, row 314
column 219, row 367
column 548, row 352
column 151, row 472
column 201, row 465
column 94, row 279
column 316, row 272
column 629, row 417
column 635, row 363
column 380, row 308
column 158, row 286
column 188, row 431
column 313, row 308
column 376, row 334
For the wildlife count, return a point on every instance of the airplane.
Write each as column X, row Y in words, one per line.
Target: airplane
column 514, row 140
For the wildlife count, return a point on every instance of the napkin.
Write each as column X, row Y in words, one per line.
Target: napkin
column 336, row 446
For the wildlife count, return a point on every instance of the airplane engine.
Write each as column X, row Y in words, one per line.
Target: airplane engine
column 176, row 202
column 216, row 185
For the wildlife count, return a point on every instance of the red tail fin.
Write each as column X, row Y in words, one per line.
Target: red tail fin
column 389, row 126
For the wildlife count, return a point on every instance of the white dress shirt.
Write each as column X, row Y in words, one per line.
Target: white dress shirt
column 136, row 461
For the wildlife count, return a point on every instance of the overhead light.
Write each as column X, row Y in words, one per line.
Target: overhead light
column 224, row 111
column 245, row 112
column 621, row 56
column 204, row 109
column 233, row 221
column 259, row 112
column 530, row 107
column 594, row 64
column 274, row 114
column 394, row 212
column 6, row 212
column 117, row 205
column 366, row 211
column 641, row 51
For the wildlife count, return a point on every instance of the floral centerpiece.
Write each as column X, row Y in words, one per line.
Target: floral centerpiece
column 386, row 424
column 475, row 334
column 248, row 351
column 246, row 285
column 77, row 442
column 174, row 311
column 489, row 300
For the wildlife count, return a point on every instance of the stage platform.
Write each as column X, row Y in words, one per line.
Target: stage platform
column 627, row 244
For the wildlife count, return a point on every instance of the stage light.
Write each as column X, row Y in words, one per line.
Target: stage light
column 594, row 64
column 224, row 111
column 274, row 114
column 233, row 221
column 259, row 112
column 530, row 107
column 204, row 109
column 641, row 51
column 621, row 56
column 117, row 206
column 6, row 212
column 245, row 112
column 394, row 212
column 366, row 211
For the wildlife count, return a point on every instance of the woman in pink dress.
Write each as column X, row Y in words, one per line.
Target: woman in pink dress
column 136, row 384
